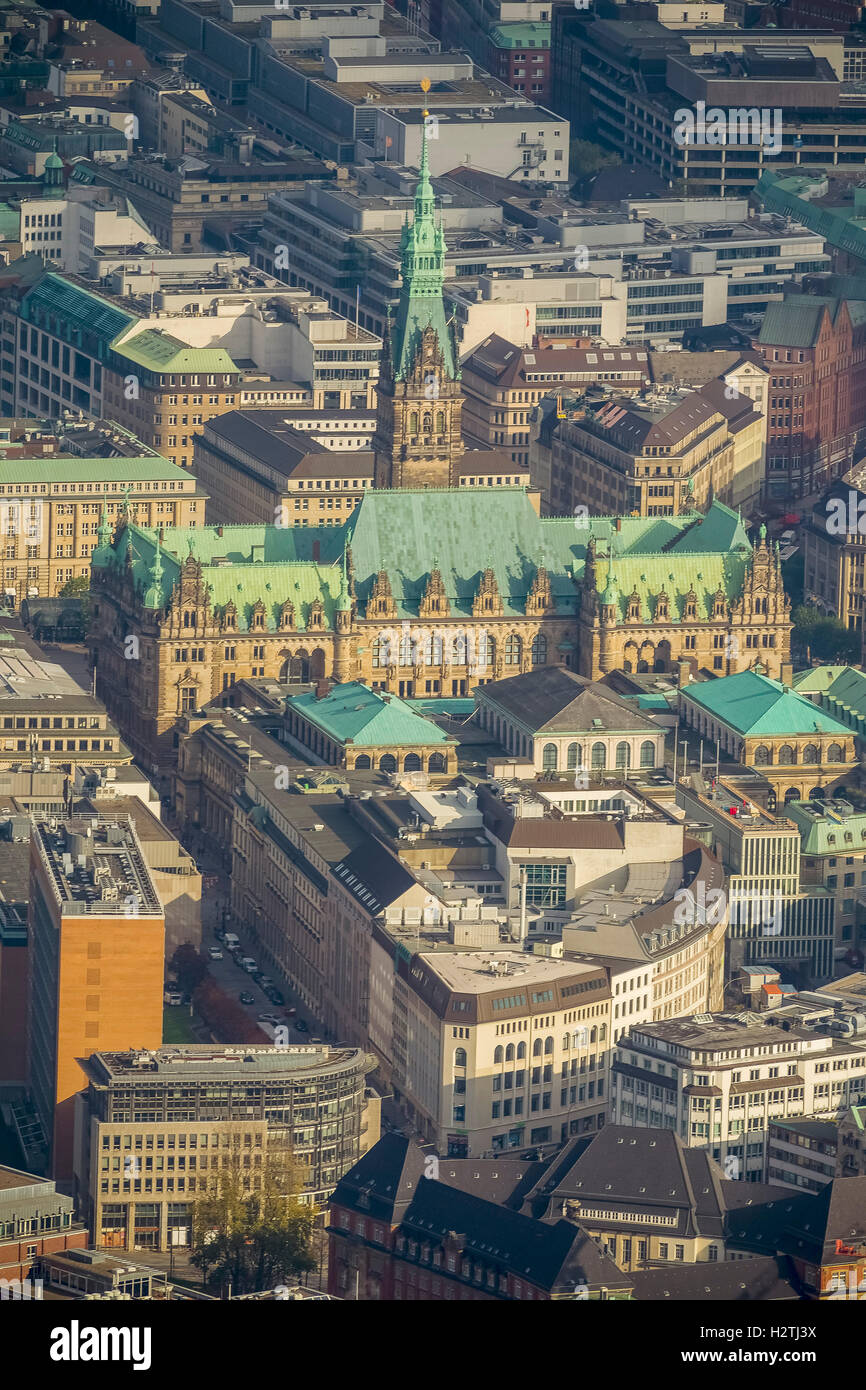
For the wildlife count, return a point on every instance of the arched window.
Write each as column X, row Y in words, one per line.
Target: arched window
column 548, row 757
column 413, row 422
column 648, row 753
column 497, row 1057
column 539, row 649
column 623, row 754
column 521, row 1051
column 593, row 1037
column 599, row 756
column 572, row 758
column 565, row 1042
column 811, row 754
column 428, row 422
column 548, row 1045
column 762, row 756
column 408, row 648
column 513, row 648
column 509, row 1052
column 411, row 763
column 458, row 650
column 388, row 763
column 834, row 753
column 787, row 754
column 792, row 794
column 602, row 1033
column 460, row 1057
column 189, row 619
column 436, row 763
column 440, row 422
column 537, row 1048
column 363, row 760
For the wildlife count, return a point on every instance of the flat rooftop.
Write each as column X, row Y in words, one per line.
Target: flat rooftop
column 205, row 1060
column 485, row 972
column 96, row 867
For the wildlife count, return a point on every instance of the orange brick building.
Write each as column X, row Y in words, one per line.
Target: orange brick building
column 97, row 943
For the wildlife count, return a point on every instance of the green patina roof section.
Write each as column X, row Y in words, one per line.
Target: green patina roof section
column 404, row 532
column 753, row 704
column 161, row 352
column 816, row 830
column 520, row 36
column 422, row 268
column 283, row 574
column 352, row 711
column 116, row 470
column 819, row 678
column 842, row 695
column 55, row 295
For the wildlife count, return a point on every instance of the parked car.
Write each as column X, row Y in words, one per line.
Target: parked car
column 301, row 1026
column 248, row 964
column 265, row 981
column 275, row 997
column 246, row 998
column 290, row 1013
column 215, row 953
column 270, row 1018
column 172, row 996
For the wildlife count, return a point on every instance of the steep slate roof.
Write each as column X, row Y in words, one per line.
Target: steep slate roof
column 762, row 1279
column 354, row 712
column 816, row 828
column 753, row 704
column 806, row 1226
column 553, row 700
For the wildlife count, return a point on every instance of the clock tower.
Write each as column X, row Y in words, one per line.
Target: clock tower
column 418, row 438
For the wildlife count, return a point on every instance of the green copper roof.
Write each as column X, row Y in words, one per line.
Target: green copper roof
column 520, row 36
column 352, row 711
column 407, row 532
column 841, row 691
column 57, row 297
column 284, row 571
column 162, row 353
column 422, row 264
column 117, row 470
column 753, row 704
column 826, row 831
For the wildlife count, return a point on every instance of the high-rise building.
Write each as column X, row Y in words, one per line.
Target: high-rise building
column 97, row 941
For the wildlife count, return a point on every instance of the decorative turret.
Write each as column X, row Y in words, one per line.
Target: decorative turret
column 153, row 596
column 487, row 602
column 435, row 603
column 381, row 601
column 539, row 600
column 344, row 622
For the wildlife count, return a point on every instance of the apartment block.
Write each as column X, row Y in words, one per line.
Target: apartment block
column 721, row 1082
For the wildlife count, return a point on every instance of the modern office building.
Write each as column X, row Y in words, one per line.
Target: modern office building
column 155, row 1128
column 780, row 913
column 35, row 1223
column 97, row 946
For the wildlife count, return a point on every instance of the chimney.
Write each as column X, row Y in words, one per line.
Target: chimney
column 219, row 530
column 619, row 523
column 786, row 673
column 323, row 688
column 684, row 673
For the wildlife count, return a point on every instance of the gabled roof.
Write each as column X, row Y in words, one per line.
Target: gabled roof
column 753, row 704
column 805, row 1226
column 353, row 712
column 553, row 700
column 761, row 1279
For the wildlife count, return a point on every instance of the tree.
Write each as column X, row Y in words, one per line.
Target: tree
column 249, row 1229
column 189, row 967
column 823, row 638
column 225, row 1018
column 74, row 588
column 586, row 158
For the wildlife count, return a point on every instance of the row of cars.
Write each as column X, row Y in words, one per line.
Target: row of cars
column 231, row 946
